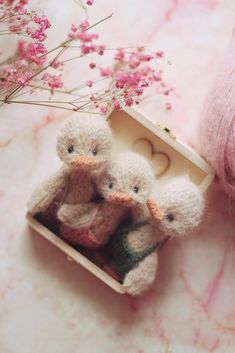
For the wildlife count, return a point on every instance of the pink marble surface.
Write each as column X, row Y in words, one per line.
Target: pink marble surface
column 50, row 305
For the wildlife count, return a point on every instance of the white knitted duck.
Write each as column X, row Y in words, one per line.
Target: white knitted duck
column 84, row 146
column 175, row 211
column 125, row 186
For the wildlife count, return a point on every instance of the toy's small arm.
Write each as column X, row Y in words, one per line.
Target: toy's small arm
column 48, row 191
column 138, row 213
column 142, row 277
column 76, row 216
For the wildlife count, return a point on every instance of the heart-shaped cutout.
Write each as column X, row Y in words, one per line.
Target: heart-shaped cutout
column 160, row 161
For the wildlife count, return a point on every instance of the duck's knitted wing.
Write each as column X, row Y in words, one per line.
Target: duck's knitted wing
column 49, row 192
column 77, row 216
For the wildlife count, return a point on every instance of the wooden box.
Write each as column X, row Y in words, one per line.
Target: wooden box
column 130, row 126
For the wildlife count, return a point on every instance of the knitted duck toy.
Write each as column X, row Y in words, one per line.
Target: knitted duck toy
column 174, row 212
column 124, row 186
column 84, row 146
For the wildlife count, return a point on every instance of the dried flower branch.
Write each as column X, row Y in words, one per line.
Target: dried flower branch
column 33, row 68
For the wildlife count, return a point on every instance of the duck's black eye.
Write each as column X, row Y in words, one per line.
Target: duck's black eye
column 70, row 148
column 94, row 151
column 170, row 217
column 110, row 185
column 136, row 189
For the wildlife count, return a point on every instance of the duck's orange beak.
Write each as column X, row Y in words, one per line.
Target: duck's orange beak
column 84, row 162
column 154, row 211
column 119, row 198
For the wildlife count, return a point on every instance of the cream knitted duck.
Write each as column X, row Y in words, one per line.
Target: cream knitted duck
column 84, row 146
column 125, row 186
column 175, row 211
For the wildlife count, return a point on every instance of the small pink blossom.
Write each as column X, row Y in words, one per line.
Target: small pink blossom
column 103, row 109
column 160, row 54
column 42, row 21
column 72, row 31
column 31, row 52
column 24, row 78
column 120, row 55
column 92, row 65
column 139, row 91
column 90, row 2
column 168, row 106
column 56, row 64
column 86, row 49
column 134, row 61
column 129, row 102
column 147, row 57
column 116, row 104
column 106, row 72
column 84, row 25
column 53, row 81
column 157, row 77
column 101, row 49
column 89, row 83
column 86, row 37
column 46, row 76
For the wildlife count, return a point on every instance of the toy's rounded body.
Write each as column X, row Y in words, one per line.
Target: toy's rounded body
column 94, row 227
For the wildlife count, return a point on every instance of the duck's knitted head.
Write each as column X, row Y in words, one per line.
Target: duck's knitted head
column 178, row 207
column 127, row 180
column 85, row 142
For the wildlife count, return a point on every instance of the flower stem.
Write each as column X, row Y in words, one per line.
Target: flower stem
column 48, row 105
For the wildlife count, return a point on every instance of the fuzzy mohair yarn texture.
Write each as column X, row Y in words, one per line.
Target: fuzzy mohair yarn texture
column 88, row 137
column 174, row 211
column 124, row 186
column 182, row 204
column 84, row 145
column 128, row 173
column 217, row 130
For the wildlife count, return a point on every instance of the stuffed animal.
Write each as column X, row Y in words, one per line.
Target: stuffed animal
column 175, row 211
column 124, row 186
column 84, row 146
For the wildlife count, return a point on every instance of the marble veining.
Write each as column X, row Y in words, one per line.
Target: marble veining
column 51, row 305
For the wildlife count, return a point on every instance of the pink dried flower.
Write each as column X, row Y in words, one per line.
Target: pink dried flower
column 106, row 72
column 126, row 80
column 134, row 60
column 84, row 25
column 31, row 52
column 90, row 2
column 103, row 109
column 53, row 81
column 46, row 76
column 129, row 102
column 24, row 78
column 72, row 31
column 116, row 104
column 85, row 49
column 101, row 49
column 86, row 37
column 166, row 92
column 56, row 63
column 89, row 83
column 42, row 21
column 92, row 65
column 120, row 55
column 159, row 54
column 157, row 77
column 139, row 91
column 168, row 106
column 147, row 57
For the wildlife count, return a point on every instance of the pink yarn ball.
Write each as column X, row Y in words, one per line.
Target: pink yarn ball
column 217, row 132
